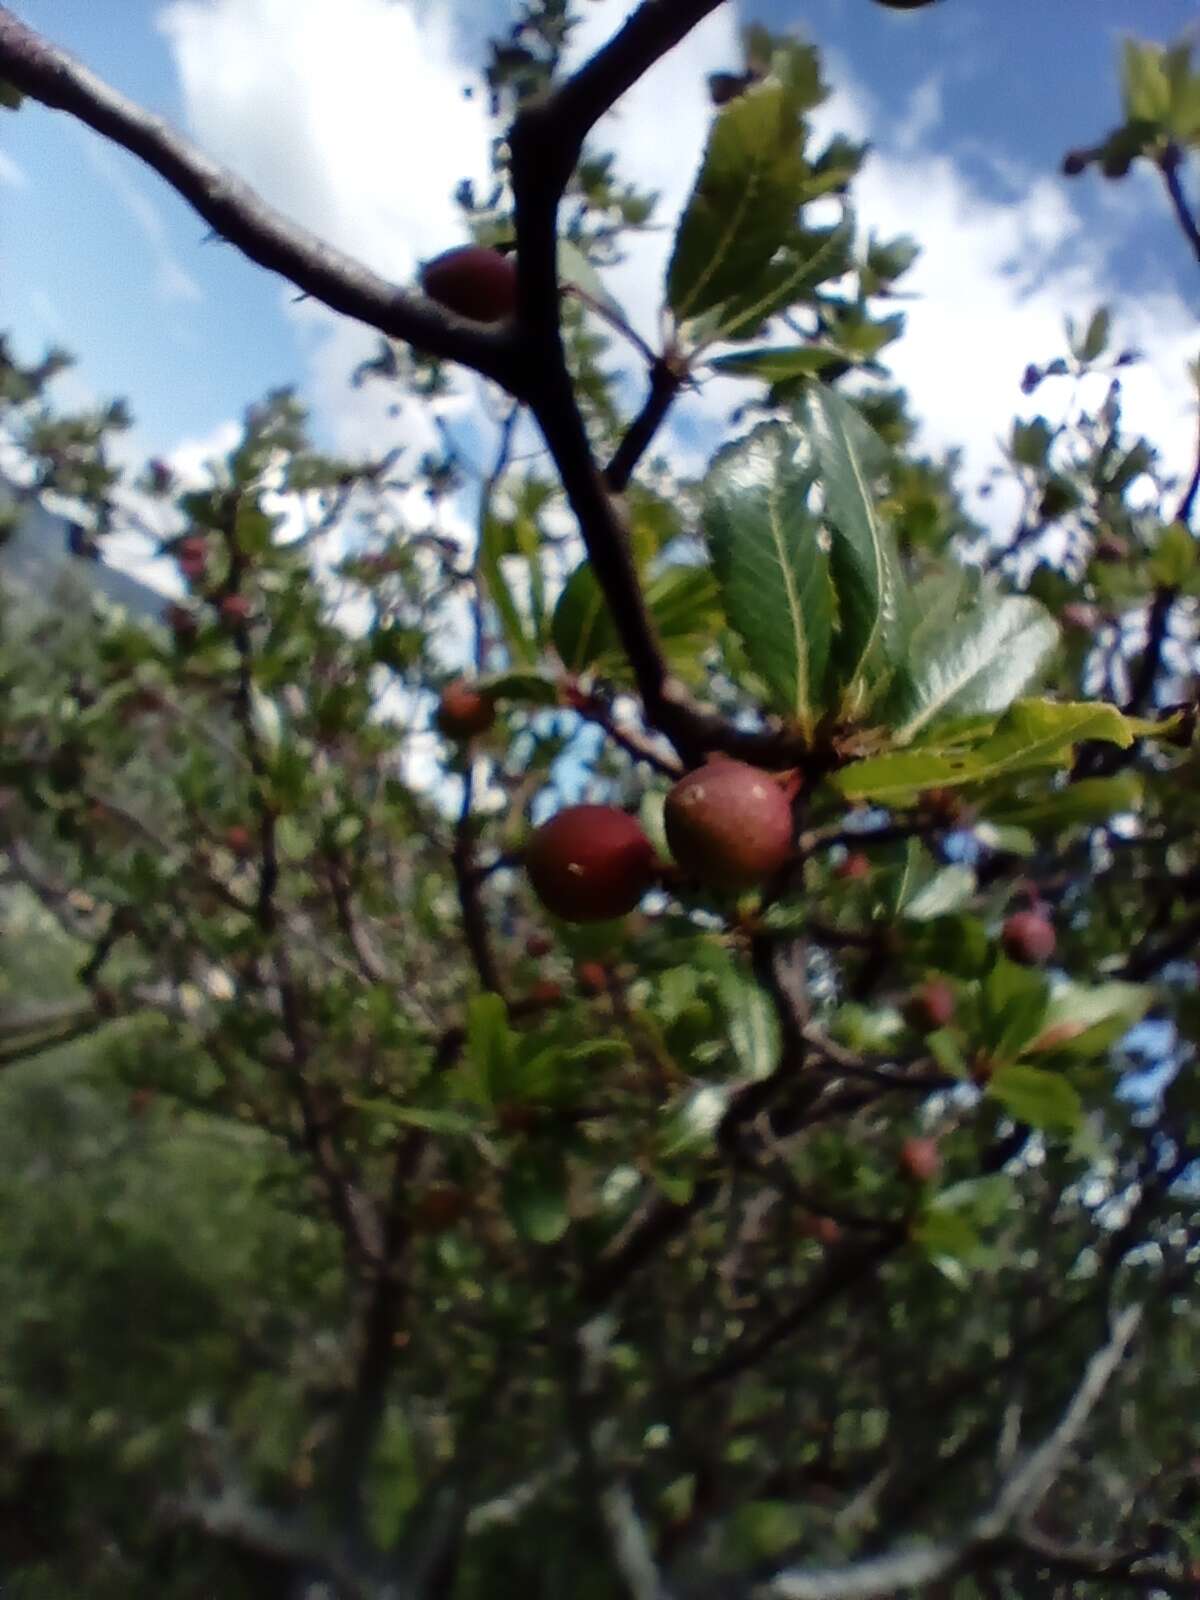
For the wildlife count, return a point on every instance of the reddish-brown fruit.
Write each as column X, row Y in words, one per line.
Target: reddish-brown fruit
column 920, row 1160
column 1028, row 937
column 234, row 609
column 729, row 825
column 931, row 1006
column 463, row 711
column 1080, row 616
column 473, row 282
column 181, row 621
column 514, row 1117
column 943, row 804
column 239, row 839
column 853, row 867
column 1111, row 547
column 590, row 863
column 592, row 977
column 140, row 1101
column 823, row 1229
column 545, row 992
column 192, row 556
column 538, row 945
column 440, row 1207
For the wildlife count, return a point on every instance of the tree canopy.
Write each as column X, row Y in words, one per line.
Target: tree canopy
column 824, row 1226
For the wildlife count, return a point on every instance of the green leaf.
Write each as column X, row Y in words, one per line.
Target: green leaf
column 1095, row 339
column 1174, row 556
column 489, row 1046
column 429, row 1118
column 10, row 98
column 1084, row 1021
column 492, row 543
column 690, row 1123
column 946, row 1233
column 526, row 688
column 683, row 600
column 951, row 890
column 1031, row 736
column 866, row 571
column 750, row 1017
column 772, row 572
column 776, row 364
column 979, row 664
column 1044, row 1100
column 1012, row 1008
column 744, row 203
column 576, row 271
column 535, row 1196
column 1145, row 90
column 1090, row 801
column 806, row 261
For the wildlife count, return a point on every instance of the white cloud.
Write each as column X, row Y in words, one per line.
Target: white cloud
column 353, row 119
column 12, row 174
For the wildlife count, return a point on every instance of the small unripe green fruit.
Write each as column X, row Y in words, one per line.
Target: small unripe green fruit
column 473, row 282
column 931, row 1006
column 920, row 1160
column 729, row 825
column 1028, row 937
column 590, row 863
column 463, row 711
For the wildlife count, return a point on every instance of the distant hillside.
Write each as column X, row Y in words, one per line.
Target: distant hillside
column 45, row 556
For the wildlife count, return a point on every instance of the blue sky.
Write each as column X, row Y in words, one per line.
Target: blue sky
column 350, row 114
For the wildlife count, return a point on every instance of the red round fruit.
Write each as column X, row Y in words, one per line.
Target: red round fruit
column 853, row 867
column 590, row 863
column 180, row 620
column 538, row 945
column 238, row 838
column 931, row 1006
column 920, row 1160
column 729, row 824
column 1028, row 937
column 234, row 609
column 545, row 992
column 192, row 555
column 463, row 711
column 473, row 282
column 1080, row 616
column 825, row 1230
column 440, row 1207
column 592, row 977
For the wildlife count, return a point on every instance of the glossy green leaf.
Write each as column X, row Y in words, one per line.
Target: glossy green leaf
column 1145, row 90
column 683, row 601
column 803, row 263
column 1174, row 557
column 744, row 203
column 750, row 1018
column 1095, row 338
column 1044, row 1100
column 772, row 571
column 691, row 1122
column 1091, row 800
column 11, row 98
column 1032, row 736
column 492, row 541
column 849, row 455
column 950, row 890
column 535, row 1196
column 523, row 688
column 489, row 1045
column 979, row 664
column 777, row 363
column 1084, row 1021
column 1012, row 1008
column 946, row 1232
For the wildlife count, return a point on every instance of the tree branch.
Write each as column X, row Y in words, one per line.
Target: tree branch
column 240, row 216
column 1018, row 1498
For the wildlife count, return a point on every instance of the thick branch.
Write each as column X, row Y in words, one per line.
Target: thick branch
column 49, row 75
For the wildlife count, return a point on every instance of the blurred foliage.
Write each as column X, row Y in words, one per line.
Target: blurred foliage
column 363, row 1228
